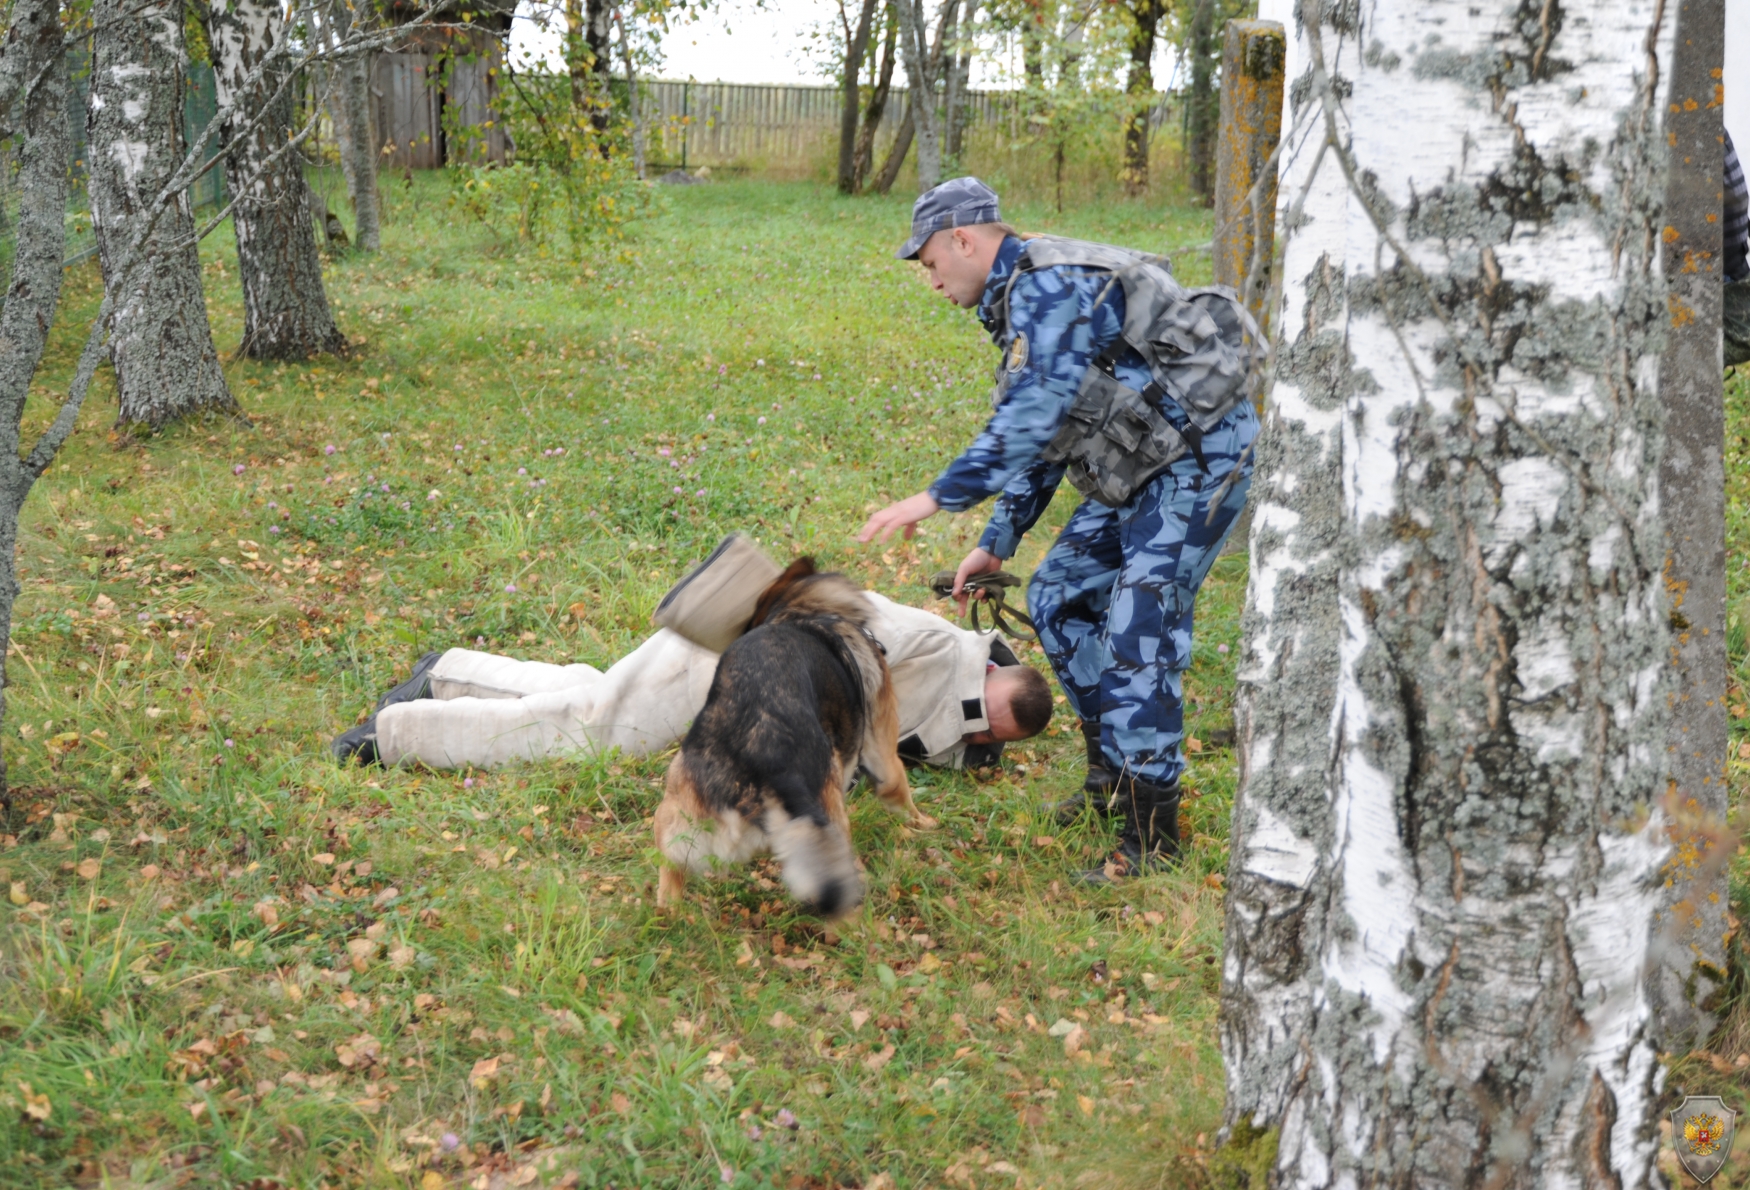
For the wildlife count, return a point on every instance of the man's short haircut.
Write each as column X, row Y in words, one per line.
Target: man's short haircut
column 1029, row 698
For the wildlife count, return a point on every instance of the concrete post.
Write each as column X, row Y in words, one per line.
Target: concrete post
column 1693, row 918
column 1253, row 55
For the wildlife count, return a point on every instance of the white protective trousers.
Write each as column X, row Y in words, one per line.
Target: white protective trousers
column 487, row 710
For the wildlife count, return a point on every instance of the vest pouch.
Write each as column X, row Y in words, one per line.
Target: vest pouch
column 1204, row 351
column 1113, row 441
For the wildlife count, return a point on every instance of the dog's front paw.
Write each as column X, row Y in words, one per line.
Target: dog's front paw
column 919, row 821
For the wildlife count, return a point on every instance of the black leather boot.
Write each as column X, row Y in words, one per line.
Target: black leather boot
column 1148, row 840
column 360, row 743
column 1101, row 779
column 1096, row 788
column 414, row 688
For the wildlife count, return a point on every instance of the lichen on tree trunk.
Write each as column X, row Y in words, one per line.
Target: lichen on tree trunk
column 285, row 308
column 160, row 342
column 1695, row 921
column 1453, row 712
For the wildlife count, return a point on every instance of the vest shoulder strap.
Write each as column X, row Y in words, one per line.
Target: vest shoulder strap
column 1044, row 252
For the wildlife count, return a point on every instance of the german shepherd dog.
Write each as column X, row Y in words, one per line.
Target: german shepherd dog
column 799, row 704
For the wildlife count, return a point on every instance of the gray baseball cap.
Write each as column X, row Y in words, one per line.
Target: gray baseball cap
column 958, row 202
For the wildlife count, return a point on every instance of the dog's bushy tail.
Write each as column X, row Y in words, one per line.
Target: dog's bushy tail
column 819, row 865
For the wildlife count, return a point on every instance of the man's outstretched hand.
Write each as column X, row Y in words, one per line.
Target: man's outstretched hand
column 904, row 515
column 979, row 561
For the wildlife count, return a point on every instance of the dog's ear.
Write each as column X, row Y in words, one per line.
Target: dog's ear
column 798, row 570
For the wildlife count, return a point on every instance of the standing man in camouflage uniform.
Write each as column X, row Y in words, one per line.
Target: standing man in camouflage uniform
column 1113, row 598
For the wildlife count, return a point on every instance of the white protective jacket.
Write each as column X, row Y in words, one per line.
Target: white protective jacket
column 487, row 710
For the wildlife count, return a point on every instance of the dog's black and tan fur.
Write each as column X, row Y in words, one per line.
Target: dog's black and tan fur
column 799, row 704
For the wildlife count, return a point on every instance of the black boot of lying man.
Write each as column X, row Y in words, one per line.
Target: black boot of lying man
column 1148, row 839
column 360, row 743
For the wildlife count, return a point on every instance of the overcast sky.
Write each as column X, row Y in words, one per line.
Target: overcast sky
column 744, row 42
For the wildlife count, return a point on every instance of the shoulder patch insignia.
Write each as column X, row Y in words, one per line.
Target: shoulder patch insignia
column 1017, row 353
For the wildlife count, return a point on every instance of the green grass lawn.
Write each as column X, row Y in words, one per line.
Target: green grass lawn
column 225, row 959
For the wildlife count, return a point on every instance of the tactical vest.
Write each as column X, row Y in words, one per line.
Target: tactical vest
column 1202, row 349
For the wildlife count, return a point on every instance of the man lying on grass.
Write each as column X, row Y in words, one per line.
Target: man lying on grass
column 961, row 695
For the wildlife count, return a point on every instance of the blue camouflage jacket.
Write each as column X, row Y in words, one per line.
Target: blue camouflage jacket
column 1059, row 320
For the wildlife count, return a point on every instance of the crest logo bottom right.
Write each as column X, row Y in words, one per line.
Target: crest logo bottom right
column 1702, row 1128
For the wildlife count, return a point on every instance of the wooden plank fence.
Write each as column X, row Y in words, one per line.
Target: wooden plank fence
column 693, row 123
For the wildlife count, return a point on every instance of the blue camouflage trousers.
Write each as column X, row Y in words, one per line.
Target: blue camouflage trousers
column 1113, row 600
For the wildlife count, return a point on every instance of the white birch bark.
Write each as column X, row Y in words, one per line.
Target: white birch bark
column 160, row 341
column 1444, row 864
column 285, row 308
column 920, row 76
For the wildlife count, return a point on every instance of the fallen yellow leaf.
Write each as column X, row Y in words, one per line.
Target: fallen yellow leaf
column 1074, row 1040
column 89, row 867
column 35, row 1106
column 18, row 896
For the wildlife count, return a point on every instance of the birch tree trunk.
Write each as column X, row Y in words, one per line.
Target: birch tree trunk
column 1203, row 101
column 920, row 75
column 358, row 150
column 902, row 139
column 159, row 340
column 285, row 308
column 1139, row 85
column 33, row 85
column 1452, row 706
column 598, row 32
column 349, row 106
column 864, row 152
column 850, row 103
column 957, row 63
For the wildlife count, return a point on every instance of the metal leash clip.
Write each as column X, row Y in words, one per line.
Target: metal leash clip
column 986, row 588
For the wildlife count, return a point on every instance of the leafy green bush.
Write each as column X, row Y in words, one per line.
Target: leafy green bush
column 569, row 185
